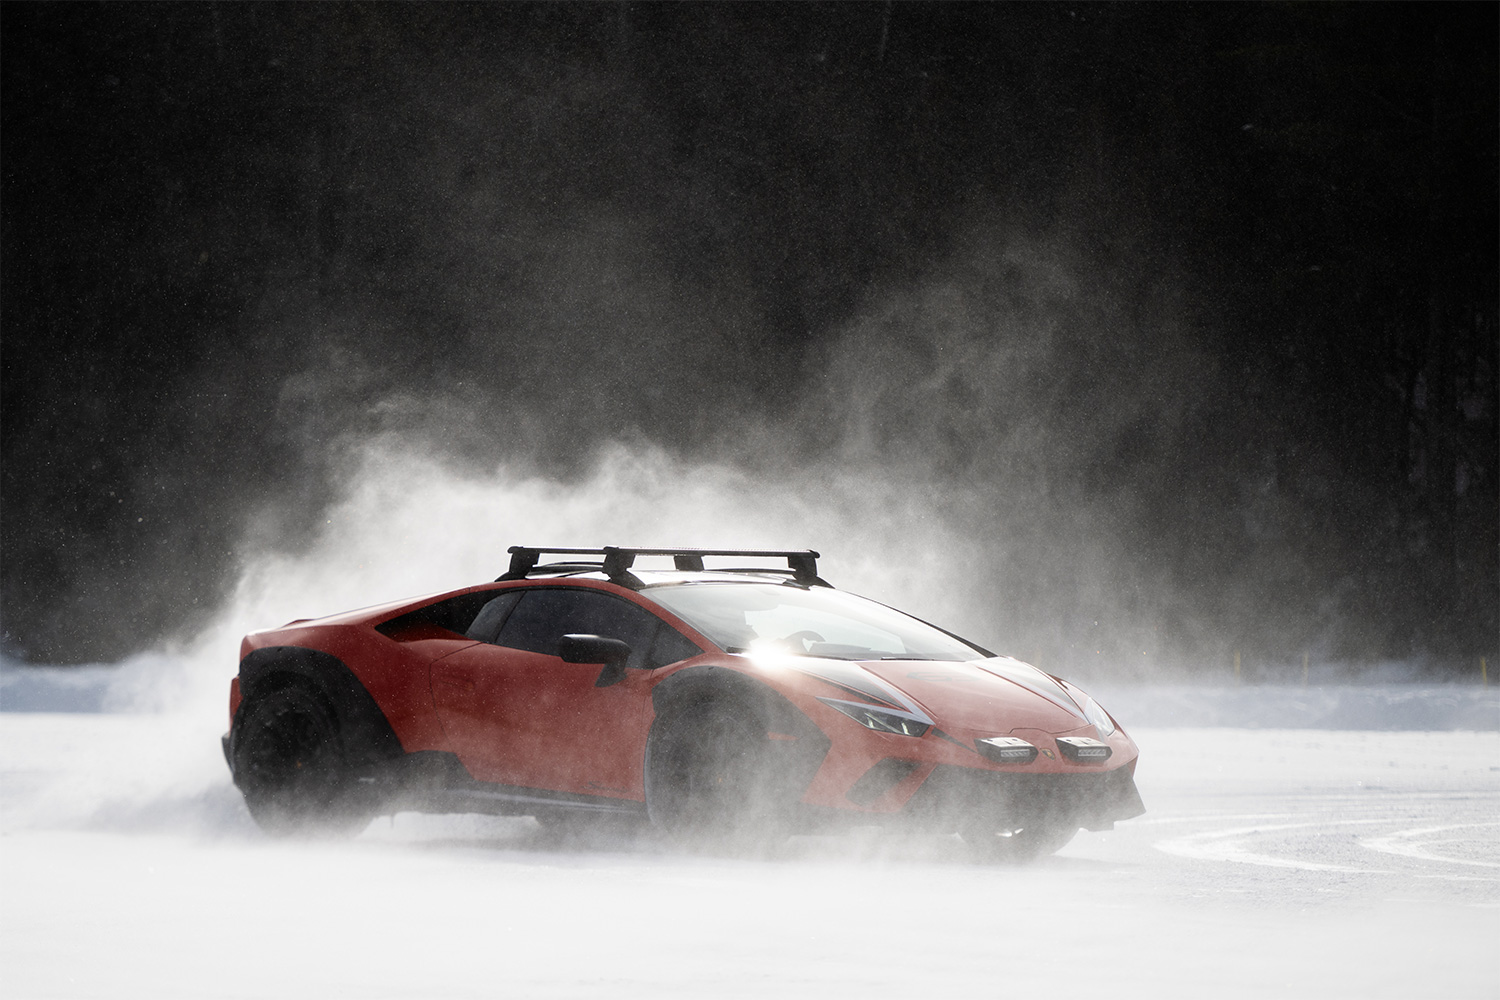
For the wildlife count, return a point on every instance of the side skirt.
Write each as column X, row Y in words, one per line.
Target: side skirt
column 436, row 782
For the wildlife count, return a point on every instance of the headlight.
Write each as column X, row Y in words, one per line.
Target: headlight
column 1096, row 714
column 882, row 720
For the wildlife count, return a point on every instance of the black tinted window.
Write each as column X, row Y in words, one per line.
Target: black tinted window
column 487, row 623
column 671, row 646
column 545, row 615
column 456, row 614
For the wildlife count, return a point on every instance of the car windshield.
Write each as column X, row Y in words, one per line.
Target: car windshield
column 754, row 617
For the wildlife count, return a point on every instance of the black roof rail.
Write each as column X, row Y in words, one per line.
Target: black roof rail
column 801, row 563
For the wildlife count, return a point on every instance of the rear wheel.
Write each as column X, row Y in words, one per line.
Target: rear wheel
column 1019, row 845
column 290, row 765
column 706, row 779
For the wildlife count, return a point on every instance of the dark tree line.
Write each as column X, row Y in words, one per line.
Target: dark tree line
column 238, row 236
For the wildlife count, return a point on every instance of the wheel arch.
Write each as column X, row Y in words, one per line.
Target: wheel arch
column 794, row 742
column 712, row 682
column 364, row 730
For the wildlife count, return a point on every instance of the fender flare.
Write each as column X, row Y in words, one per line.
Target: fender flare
column 714, row 682
column 365, row 733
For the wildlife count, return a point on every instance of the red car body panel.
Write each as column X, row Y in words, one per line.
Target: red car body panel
column 532, row 720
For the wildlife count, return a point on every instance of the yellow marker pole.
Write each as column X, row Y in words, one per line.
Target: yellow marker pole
column 1484, row 672
column 1304, row 670
column 1236, row 666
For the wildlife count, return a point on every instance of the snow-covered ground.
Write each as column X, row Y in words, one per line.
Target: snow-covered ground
column 1352, row 852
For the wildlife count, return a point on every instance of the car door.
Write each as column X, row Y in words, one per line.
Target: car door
column 517, row 714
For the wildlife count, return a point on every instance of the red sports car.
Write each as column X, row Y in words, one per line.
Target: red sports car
column 720, row 703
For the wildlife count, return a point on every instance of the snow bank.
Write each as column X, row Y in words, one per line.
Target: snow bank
column 147, row 682
column 1380, row 707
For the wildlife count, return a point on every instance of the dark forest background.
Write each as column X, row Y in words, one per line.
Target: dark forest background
column 1215, row 281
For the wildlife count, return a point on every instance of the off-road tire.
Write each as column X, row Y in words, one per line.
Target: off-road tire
column 707, row 783
column 290, row 765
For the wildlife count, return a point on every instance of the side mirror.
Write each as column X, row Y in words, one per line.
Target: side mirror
column 596, row 649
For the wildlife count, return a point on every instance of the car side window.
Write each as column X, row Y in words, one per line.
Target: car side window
column 670, row 646
column 544, row 615
column 486, row 624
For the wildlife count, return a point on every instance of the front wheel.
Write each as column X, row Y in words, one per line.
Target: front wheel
column 707, row 780
column 289, row 764
column 1020, row 845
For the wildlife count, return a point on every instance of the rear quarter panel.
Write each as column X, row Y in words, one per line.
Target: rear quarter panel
column 395, row 674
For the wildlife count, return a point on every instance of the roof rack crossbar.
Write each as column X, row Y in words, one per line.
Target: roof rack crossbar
column 803, row 563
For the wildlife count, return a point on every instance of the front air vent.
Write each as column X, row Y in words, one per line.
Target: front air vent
column 879, row 779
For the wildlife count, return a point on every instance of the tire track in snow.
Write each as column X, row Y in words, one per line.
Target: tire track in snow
column 1232, row 845
column 1236, row 845
column 1399, row 843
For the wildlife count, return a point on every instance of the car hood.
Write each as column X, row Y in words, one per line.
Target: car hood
column 996, row 694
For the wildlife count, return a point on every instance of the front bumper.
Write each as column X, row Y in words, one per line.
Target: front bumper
column 946, row 781
column 953, row 798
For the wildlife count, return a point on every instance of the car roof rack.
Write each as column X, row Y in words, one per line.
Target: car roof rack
column 801, row 563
